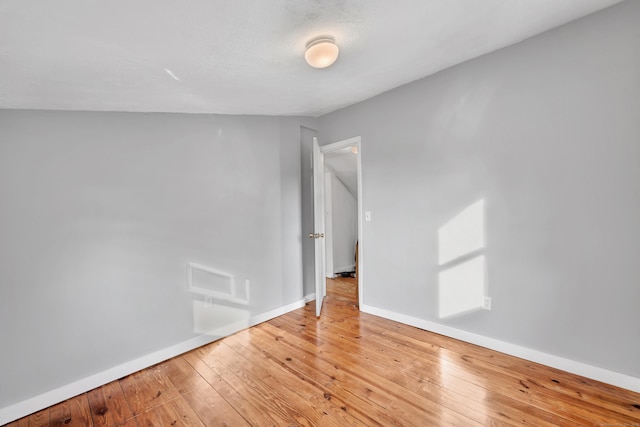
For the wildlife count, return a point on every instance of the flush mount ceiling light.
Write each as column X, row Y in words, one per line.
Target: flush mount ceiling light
column 321, row 52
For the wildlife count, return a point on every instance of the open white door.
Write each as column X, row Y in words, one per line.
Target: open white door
column 318, row 225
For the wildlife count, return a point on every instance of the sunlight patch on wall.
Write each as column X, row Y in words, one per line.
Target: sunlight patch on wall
column 224, row 307
column 461, row 244
column 207, row 281
column 216, row 284
column 462, row 234
column 462, row 287
column 218, row 320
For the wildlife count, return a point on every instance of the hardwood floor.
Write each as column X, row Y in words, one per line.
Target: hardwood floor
column 347, row 368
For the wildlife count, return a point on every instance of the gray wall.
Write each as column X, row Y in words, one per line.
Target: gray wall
column 547, row 132
column 100, row 214
column 342, row 212
column 298, row 261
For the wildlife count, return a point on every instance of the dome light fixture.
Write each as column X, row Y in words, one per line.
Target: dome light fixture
column 321, row 52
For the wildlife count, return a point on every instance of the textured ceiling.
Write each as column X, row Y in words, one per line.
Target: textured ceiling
column 246, row 56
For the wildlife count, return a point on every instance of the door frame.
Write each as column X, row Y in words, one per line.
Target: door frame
column 351, row 142
column 318, row 235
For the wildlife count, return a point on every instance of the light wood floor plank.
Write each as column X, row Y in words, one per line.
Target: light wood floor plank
column 109, row 406
column 314, row 385
column 479, row 385
column 343, row 389
column 247, row 384
column 246, row 402
column 372, row 360
column 284, row 388
column 378, row 395
column 204, row 399
column 360, row 381
column 61, row 414
column 22, row 422
column 40, row 418
column 148, row 389
column 80, row 413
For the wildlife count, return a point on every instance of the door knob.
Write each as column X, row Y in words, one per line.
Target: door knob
column 316, row 235
column 311, row 235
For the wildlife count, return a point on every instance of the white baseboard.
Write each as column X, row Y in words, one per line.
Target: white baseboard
column 310, row 297
column 599, row 374
column 345, row 268
column 44, row 400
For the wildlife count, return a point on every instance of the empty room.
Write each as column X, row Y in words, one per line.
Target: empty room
column 340, row 212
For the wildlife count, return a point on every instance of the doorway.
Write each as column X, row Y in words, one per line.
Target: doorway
column 344, row 174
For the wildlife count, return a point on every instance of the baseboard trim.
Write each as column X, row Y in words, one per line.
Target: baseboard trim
column 593, row 372
column 310, row 297
column 344, row 269
column 34, row 404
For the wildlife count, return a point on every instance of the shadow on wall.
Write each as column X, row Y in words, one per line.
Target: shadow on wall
column 462, row 264
column 223, row 306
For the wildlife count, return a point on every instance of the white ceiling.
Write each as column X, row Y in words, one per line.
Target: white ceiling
column 246, row 56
